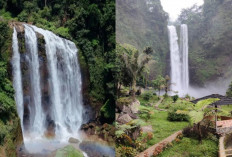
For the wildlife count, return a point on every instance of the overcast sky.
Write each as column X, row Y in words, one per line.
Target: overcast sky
column 174, row 7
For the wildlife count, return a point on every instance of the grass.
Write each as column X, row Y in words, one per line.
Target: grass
column 166, row 103
column 189, row 147
column 161, row 126
column 226, row 107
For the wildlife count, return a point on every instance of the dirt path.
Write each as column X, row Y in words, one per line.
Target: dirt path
column 157, row 105
column 149, row 152
column 228, row 149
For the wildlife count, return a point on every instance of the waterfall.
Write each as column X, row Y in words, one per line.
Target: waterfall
column 179, row 60
column 175, row 60
column 37, row 115
column 17, row 77
column 48, row 85
column 184, row 57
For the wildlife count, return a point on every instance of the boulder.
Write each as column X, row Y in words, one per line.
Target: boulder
column 73, row 140
column 125, row 118
column 126, row 109
column 134, row 106
column 147, row 129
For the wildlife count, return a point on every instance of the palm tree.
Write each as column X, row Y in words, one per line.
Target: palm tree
column 134, row 62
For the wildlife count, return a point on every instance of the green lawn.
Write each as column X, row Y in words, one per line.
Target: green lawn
column 189, row 147
column 161, row 126
column 227, row 107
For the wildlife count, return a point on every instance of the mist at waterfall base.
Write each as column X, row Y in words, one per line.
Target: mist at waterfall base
column 47, row 90
column 180, row 69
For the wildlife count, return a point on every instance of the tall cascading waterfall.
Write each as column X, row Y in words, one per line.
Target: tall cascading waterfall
column 179, row 60
column 175, row 60
column 47, row 86
column 37, row 115
column 184, row 57
column 17, row 79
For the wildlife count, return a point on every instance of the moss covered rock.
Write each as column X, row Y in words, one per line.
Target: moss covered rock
column 68, row 151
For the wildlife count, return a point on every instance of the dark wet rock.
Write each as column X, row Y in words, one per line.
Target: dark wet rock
column 73, row 140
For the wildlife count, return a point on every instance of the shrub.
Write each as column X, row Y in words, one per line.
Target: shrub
column 145, row 114
column 174, row 116
column 127, row 151
column 3, row 132
column 147, row 96
column 175, row 98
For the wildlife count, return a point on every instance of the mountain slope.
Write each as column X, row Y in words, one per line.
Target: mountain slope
column 142, row 24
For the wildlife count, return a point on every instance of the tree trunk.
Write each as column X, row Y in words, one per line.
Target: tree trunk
column 118, row 91
column 133, row 88
column 199, row 132
column 146, row 81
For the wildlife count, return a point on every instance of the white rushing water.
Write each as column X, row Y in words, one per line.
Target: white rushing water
column 37, row 115
column 175, row 60
column 179, row 60
column 184, row 58
column 64, row 87
column 17, row 76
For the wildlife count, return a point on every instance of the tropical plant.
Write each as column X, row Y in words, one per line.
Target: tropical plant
column 159, row 83
column 133, row 62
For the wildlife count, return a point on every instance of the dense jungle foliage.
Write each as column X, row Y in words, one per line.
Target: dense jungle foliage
column 210, row 40
column 91, row 25
column 10, row 132
column 144, row 24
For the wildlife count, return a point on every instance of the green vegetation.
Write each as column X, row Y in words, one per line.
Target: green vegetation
column 187, row 111
column 229, row 90
column 91, row 25
column 162, row 126
column 139, row 26
column 68, row 151
column 189, row 147
column 159, row 83
column 10, row 132
column 210, row 37
column 132, row 64
column 148, row 97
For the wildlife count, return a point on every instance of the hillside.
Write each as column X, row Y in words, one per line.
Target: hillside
column 142, row 24
column 210, row 39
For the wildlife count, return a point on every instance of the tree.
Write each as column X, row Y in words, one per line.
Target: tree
column 229, row 90
column 159, row 83
column 167, row 84
column 134, row 63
